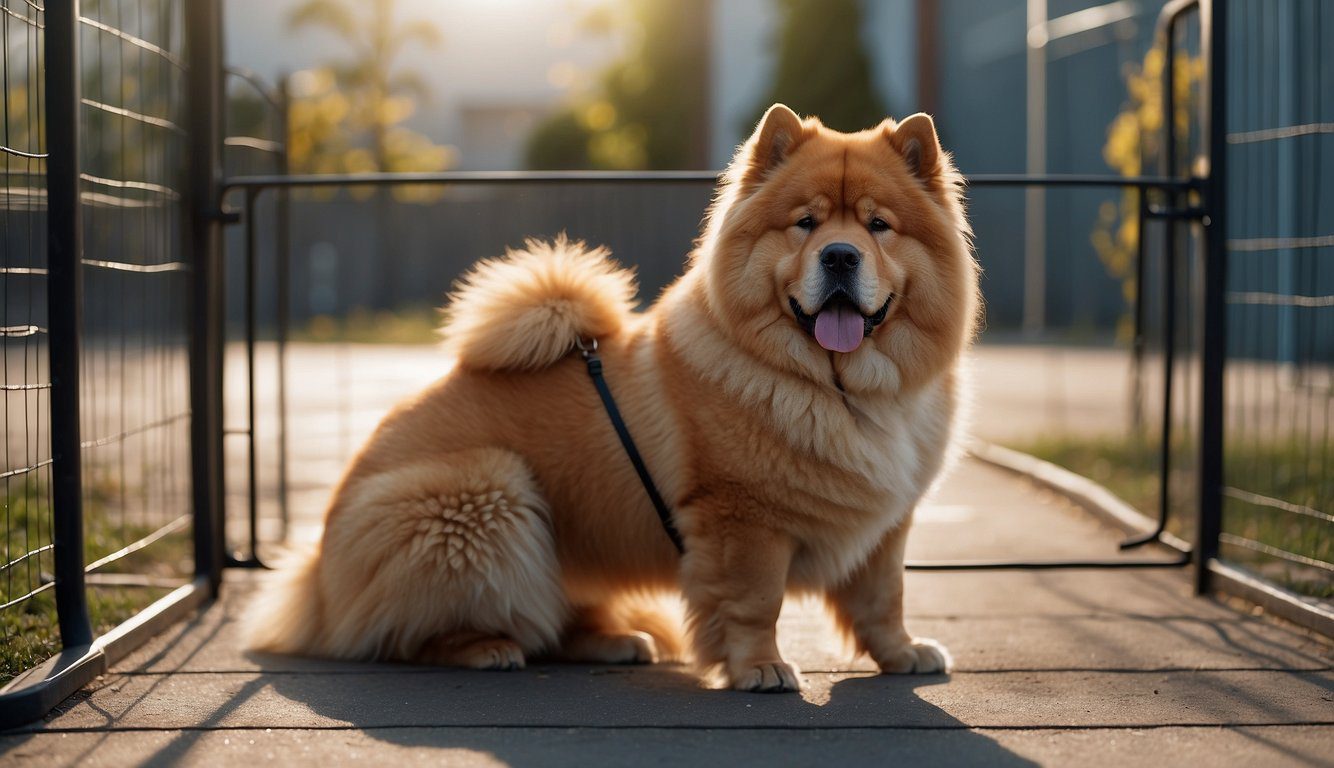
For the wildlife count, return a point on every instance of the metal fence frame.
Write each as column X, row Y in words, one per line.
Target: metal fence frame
column 83, row 657
column 251, row 188
column 1215, row 484
column 1196, row 201
column 1174, row 204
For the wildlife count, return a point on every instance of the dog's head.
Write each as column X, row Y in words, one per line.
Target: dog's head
column 845, row 257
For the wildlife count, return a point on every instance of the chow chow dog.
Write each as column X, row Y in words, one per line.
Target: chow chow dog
column 793, row 395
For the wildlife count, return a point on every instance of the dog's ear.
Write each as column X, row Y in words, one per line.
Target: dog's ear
column 915, row 139
column 779, row 132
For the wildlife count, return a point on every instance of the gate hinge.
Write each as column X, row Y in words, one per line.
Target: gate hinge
column 226, row 216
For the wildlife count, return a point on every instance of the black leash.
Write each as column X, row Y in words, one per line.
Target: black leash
column 590, row 353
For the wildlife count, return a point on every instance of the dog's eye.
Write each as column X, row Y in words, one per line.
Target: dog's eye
column 806, row 222
column 879, row 225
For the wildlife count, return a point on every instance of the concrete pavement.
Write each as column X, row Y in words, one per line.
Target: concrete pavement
column 1055, row 667
column 1075, row 667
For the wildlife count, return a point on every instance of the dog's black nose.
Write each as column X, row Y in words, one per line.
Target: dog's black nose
column 840, row 258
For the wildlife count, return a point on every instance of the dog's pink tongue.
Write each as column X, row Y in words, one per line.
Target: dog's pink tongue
column 839, row 327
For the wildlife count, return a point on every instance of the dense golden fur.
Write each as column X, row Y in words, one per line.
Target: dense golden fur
column 495, row 516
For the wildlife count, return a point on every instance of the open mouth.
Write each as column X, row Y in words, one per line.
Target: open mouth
column 839, row 325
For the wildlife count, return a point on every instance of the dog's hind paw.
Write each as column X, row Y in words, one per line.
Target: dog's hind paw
column 496, row 653
column 600, row 648
column 922, row 656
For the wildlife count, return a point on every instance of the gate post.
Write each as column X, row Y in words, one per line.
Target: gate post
column 65, row 315
column 1214, row 342
column 203, row 39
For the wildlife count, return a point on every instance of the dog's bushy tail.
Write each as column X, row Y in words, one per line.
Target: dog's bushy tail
column 286, row 615
column 525, row 310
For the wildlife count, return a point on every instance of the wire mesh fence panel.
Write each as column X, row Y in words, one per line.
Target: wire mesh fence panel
column 27, row 607
column 255, row 142
column 1109, row 384
column 135, row 413
column 100, row 307
column 1279, row 461
column 1087, row 397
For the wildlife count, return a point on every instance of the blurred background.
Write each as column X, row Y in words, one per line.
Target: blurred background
column 410, row 85
column 1073, row 364
column 413, row 85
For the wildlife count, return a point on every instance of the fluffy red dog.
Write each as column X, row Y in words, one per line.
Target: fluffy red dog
column 793, row 394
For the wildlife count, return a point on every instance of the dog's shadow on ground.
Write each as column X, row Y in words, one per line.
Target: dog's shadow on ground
column 553, row 713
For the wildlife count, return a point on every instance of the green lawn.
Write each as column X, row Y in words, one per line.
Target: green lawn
column 1289, row 472
column 29, row 630
column 412, row 325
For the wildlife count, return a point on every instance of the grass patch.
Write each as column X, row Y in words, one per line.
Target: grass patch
column 32, row 634
column 29, row 631
column 1293, row 473
column 412, row 325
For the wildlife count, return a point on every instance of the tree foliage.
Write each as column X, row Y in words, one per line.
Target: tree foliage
column 347, row 115
column 648, row 109
column 823, row 68
column 1136, row 133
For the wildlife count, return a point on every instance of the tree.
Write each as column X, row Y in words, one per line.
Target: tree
column 823, row 68
column 347, row 115
column 1136, row 135
column 648, row 110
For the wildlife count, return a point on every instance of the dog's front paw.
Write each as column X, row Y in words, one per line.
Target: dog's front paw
column 766, row 677
column 922, row 656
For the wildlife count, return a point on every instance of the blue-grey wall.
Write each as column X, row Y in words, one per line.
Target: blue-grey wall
column 981, row 60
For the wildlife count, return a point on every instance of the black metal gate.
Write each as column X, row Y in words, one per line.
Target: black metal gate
column 1173, row 199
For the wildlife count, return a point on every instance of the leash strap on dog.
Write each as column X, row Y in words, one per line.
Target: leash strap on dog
column 590, row 352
